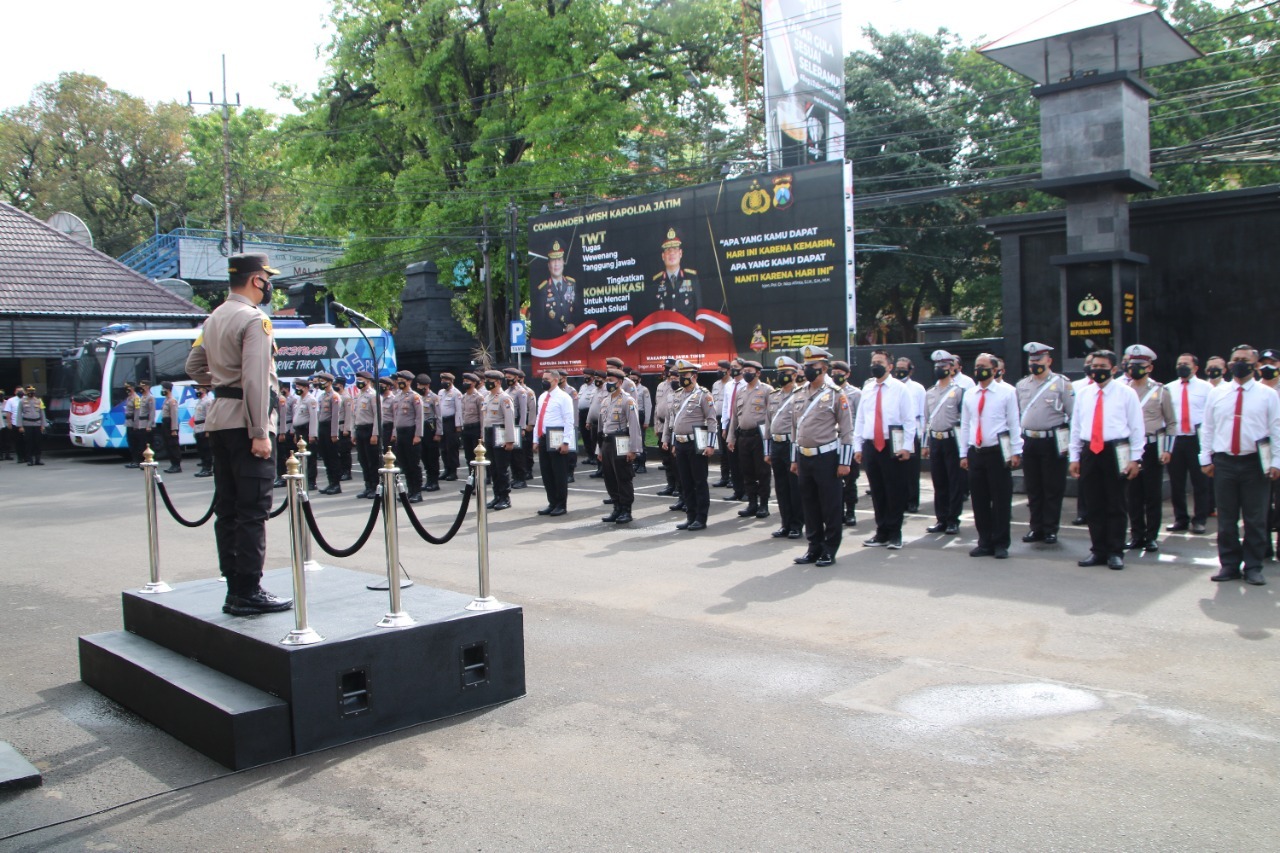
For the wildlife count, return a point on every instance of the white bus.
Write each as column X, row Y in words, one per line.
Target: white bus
column 97, row 372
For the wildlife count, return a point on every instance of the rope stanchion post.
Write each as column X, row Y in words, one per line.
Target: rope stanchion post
column 485, row 600
column 302, row 633
column 304, row 456
column 396, row 617
column 155, row 586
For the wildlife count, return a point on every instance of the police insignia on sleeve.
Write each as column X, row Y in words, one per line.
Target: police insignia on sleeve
column 266, row 325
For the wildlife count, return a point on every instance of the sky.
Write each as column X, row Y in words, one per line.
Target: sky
column 160, row 51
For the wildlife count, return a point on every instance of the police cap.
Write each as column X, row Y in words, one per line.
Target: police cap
column 493, row 374
column 423, row 379
column 941, row 356
column 447, row 375
column 840, row 365
column 326, row 377
column 783, row 362
column 250, row 262
column 471, row 377
column 683, row 366
column 364, row 374
column 755, row 365
column 813, row 353
column 1138, row 352
column 615, row 373
column 1035, row 348
column 405, row 375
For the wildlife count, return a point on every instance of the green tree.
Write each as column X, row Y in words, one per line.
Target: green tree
column 261, row 195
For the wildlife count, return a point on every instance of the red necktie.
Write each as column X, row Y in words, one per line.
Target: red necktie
column 1235, row 432
column 1096, row 443
column 878, row 441
column 1186, row 409
column 542, row 415
column 982, row 404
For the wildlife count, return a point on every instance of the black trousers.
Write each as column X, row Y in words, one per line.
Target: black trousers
column 1242, row 492
column 329, row 453
column 1143, row 495
column 1184, row 461
column 138, row 440
column 887, row 477
column 725, row 475
column 1044, row 473
column 554, row 467
column 991, row 496
column 527, row 452
column 367, row 453
column 470, row 438
column 409, row 459
column 344, row 453
column 431, row 454
column 944, row 470
column 499, row 466
column 692, row 467
column 517, row 457
column 913, row 478
column 1102, row 489
column 849, row 488
column 6, row 440
column 388, row 438
column 20, row 446
column 820, row 495
column 588, row 436
column 206, row 456
column 450, row 439
column 284, row 446
column 242, row 501
column 31, row 437
column 790, row 503
column 749, row 448
column 668, row 457
column 730, row 461
column 173, row 448
column 618, row 474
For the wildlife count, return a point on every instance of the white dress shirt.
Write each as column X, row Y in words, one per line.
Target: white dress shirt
column 1197, row 391
column 963, row 381
column 897, row 408
column 1259, row 419
column 918, row 393
column 731, row 391
column 559, row 415
column 1121, row 418
column 11, row 411
column 999, row 414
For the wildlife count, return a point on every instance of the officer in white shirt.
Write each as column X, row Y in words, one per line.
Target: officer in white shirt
column 553, row 431
column 1190, row 394
column 1107, row 416
column 990, row 447
column 903, row 368
column 885, row 433
column 1241, row 432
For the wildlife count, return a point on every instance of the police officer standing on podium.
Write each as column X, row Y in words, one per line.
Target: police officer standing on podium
column 821, row 452
column 235, row 353
column 1046, row 400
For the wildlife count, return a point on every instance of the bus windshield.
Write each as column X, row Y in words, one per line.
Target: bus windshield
column 84, row 372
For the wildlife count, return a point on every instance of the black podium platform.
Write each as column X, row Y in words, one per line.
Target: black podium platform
column 227, row 687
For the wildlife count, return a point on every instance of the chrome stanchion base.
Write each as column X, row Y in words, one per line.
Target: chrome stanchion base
column 396, row 620
column 382, row 586
column 486, row 603
column 312, row 566
column 156, row 588
column 305, row 637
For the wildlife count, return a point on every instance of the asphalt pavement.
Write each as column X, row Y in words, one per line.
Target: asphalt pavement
column 691, row 691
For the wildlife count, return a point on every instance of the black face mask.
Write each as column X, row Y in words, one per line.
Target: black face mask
column 686, row 381
column 786, row 379
column 1100, row 375
column 448, row 384
column 839, row 378
column 901, row 374
column 941, row 372
column 1184, row 371
column 1241, row 369
column 812, row 372
column 736, row 372
column 750, row 375
column 546, row 384
column 1268, row 371
column 611, row 387
column 404, row 386
column 1037, row 369
column 466, row 386
column 1137, row 371
column 982, row 374
column 1214, row 372
column 362, row 385
column 878, row 370
column 599, row 382
column 266, row 292
column 491, row 385
column 674, row 383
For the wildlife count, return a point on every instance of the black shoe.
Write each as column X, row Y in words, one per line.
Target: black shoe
column 1254, row 576
column 312, row 487
column 1091, row 560
column 780, row 533
column 258, row 601
column 666, row 493
column 894, row 545
column 678, row 506
column 1177, row 527
column 873, row 542
column 1079, row 521
column 39, row 462
column 825, row 560
column 1197, row 529
column 721, row 484
column 335, row 489
column 415, row 498
column 172, row 470
column 698, row 525
column 572, row 479
column 519, row 484
column 204, row 473
column 935, row 528
column 850, row 520
column 1227, row 575
column 450, row 477
column 500, row 505
column 557, row 511
column 795, row 534
column 623, row 517
column 1001, row 554
column 344, row 478
column 737, row 496
column 1150, row 546
column 29, row 464
column 1033, row 536
column 915, row 508
column 613, row 516
column 365, row 494
column 1051, row 539
column 981, row 552
column 806, row 559
column 749, row 509
column 546, row 510
column 952, row 529
column 1132, row 545
column 607, row 501
column 684, row 525
column 641, row 470
column 763, row 512
column 431, row 487
column 596, row 475
column 129, row 465
column 278, row 484
column 1115, row 562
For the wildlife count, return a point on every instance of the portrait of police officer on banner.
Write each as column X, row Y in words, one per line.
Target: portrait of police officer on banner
column 556, row 298
column 676, row 288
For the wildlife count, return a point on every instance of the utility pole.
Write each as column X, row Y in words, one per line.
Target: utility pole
column 226, row 147
column 513, row 266
column 488, row 284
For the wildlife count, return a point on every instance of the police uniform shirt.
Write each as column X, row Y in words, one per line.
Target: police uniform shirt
column 1157, row 408
column 750, row 407
column 304, row 412
column 619, row 415
column 516, row 393
column 146, row 410
column 31, row 412
column 408, row 412
column 389, row 402
column 690, row 409
column 449, row 398
column 284, row 411
column 853, row 395
column 1045, row 404
column 531, row 406
column 897, row 409
column 586, row 395
column 717, row 395
column 822, row 416
column 661, row 404
column 235, row 349
column 1121, row 418
column 644, row 403
column 1259, row 419
column 347, row 412
column 943, row 403
column 171, row 412
column 500, row 411
column 366, row 408
column 781, row 415
column 430, row 411
column 1197, row 394
column 330, row 410
column 472, row 406
column 201, row 413
column 999, row 404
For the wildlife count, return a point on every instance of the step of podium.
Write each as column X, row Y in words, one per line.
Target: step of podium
column 236, row 725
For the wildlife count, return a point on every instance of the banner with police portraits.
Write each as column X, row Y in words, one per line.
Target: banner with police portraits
column 757, row 267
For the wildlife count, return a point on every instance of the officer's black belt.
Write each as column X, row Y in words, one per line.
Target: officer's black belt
column 1040, row 433
column 942, row 435
column 227, row 392
column 743, row 432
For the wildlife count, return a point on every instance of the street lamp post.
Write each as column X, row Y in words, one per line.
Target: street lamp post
column 137, row 199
